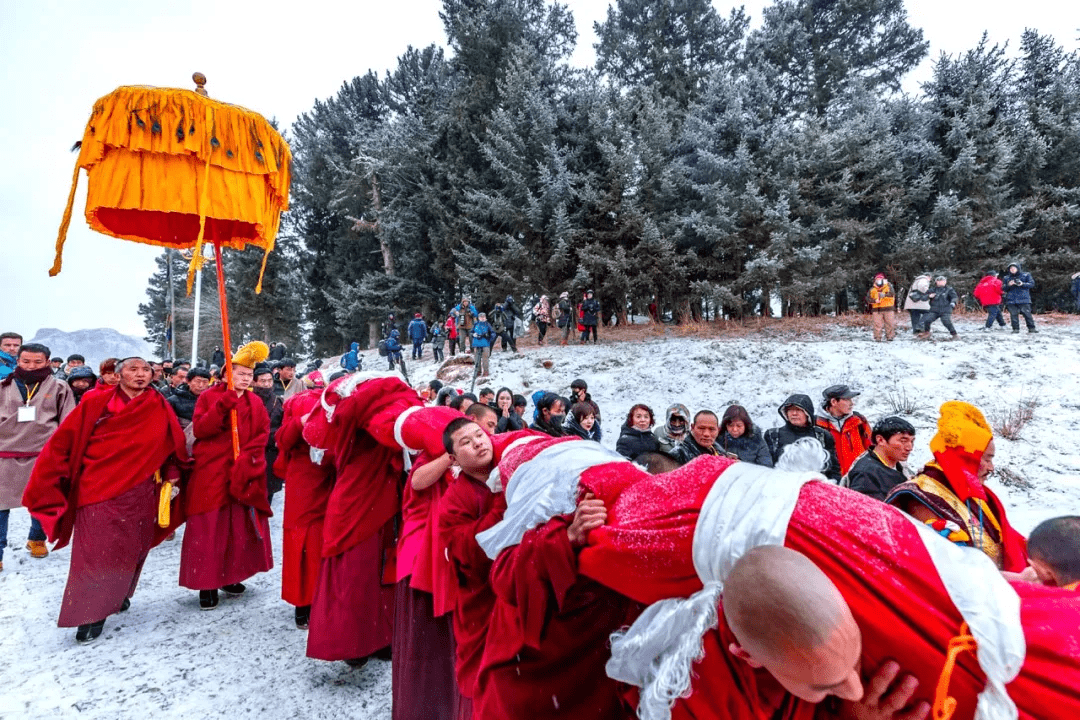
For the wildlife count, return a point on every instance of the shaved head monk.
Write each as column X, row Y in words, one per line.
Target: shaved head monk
column 227, row 539
column 101, row 471
column 468, row 507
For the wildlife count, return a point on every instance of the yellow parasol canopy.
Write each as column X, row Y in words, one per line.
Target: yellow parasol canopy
column 174, row 168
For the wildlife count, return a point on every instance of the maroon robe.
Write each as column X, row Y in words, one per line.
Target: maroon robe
column 97, row 472
column 227, row 539
column 467, row 508
column 548, row 638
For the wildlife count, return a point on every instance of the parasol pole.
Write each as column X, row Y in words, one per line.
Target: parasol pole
column 195, row 327
column 172, row 304
column 227, row 341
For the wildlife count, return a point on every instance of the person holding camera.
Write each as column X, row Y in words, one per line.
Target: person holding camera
column 1018, row 286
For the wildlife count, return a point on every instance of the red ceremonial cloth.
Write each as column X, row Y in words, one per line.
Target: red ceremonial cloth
column 726, row 688
column 218, row 478
column 107, row 554
column 547, row 642
column 352, row 613
column 876, row 557
column 467, row 508
column 369, row 462
column 307, row 491
column 423, row 669
column 104, row 448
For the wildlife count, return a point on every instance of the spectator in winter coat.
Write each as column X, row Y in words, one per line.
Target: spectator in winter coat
column 542, row 316
column 550, row 415
column 417, row 333
column 393, row 348
column 701, row 439
column 351, row 360
column 1018, row 286
column 452, row 331
column 438, row 341
column 579, row 393
column 466, row 319
column 513, row 314
column 563, row 315
column 81, row 380
column 671, row 433
column 988, row 293
column 264, row 385
column 483, row 337
column 278, row 351
column 590, row 316
column 218, row 357
column 581, row 421
column 798, row 414
column 942, row 301
column 917, row 301
column 850, row 430
column 635, row 437
column 503, row 325
column 389, row 326
column 883, row 308
column 740, row 439
column 184, row 398
column 9, row 350
column 504, row 406
column 877, row 471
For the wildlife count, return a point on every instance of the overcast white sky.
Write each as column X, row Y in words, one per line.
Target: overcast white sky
column 57, row 58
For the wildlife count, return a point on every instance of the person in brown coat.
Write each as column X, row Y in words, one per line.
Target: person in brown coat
column 32, row 405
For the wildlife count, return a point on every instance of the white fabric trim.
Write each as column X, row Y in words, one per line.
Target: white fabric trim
column 345, row 389
column 991, row 609
column 748, row 506
column 316, row 454
column 542, row 488
column 399, row 424
column 494, row 481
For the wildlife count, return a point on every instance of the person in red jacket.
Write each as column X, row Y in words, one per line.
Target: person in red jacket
column 988, row 293
column 850, row 430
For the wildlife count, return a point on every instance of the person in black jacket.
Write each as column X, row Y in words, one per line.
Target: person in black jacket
column 942, row 301
column 183, row 399
column 635, row 437
column 278, row 351
column 581, row 421
column 740, row 439
column 878, row 470
column 508, row 419
column 218, row 358
column 701, row 440
column 551, row 412
column 798, row 411
column 590, row 316
column 263, row 386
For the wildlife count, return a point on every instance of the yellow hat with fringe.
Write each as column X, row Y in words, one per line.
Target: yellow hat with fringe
column 251, row 354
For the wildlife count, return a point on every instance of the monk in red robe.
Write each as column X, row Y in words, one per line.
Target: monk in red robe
column 352, row 611
column 227, row 539
column 101, row 472
column 307, row 490
column 469, row 507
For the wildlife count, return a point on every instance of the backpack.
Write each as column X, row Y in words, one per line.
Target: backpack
column 341, row 362
column 383, row 351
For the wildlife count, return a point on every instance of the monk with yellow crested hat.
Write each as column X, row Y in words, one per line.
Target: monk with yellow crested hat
column 227, row 539
column 950, row 493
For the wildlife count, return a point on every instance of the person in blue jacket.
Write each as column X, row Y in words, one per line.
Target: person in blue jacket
column 483, row 335
column 393, row 348
column 9, row 348
column 351, row 360
column 1017, row 286
column 417, row 333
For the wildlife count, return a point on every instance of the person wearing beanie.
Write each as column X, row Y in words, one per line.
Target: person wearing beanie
column 943, row 299
column 988, row 293
column 227, row 539
column 81, row 381
column 417, row 331
column 130, row 452
column 950, row 494
column 882, row 302
column 33, row 404
column 564, row 316
column 1018, row 285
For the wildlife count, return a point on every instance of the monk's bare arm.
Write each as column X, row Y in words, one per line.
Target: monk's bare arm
column 426, row 475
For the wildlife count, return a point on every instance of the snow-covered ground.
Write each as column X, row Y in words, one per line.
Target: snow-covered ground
column 165, row 658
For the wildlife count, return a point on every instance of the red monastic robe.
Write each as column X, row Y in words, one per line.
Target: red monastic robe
column 547, row 642
column 307, row 490
column 97, row 472
column 227, row 539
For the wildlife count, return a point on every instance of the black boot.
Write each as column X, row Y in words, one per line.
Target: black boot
column 126, row 605
column 234, row 589
column 357, row 662
column 303, row 615
column 87, row 634
column 208, row 599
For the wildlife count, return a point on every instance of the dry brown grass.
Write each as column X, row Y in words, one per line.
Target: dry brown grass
column 1010, row 422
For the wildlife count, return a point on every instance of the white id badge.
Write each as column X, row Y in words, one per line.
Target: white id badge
column 27, row 413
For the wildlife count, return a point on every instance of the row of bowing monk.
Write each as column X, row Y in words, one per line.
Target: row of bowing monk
column 519, row 575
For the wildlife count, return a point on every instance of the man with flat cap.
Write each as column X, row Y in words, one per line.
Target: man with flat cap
column 850, row 430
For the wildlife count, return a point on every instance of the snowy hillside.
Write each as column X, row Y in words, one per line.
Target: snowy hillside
column 95, row 345
column 164, row 658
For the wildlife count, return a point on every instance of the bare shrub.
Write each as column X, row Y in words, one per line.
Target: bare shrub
column 1010, row 422
column 902, row 402
column 1008, row 478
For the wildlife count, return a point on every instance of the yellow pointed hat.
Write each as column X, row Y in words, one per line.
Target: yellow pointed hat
column 251, row 354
